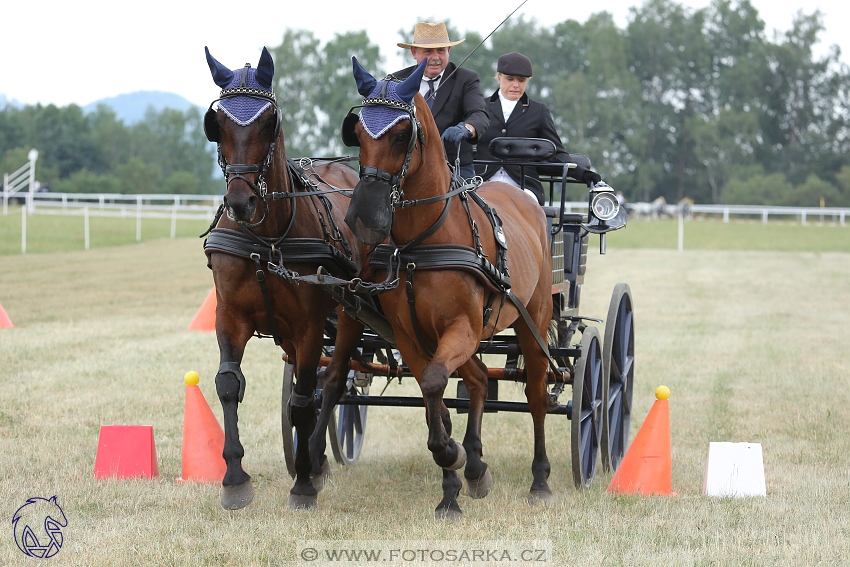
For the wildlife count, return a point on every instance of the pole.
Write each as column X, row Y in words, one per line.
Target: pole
column 681, row 231
column 86, row 224
column 33, row 155
column 5, row 194
column 174, row 221
column 139, row 220
column 23, row 230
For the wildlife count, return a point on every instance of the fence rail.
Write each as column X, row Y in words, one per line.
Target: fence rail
column 803, row 215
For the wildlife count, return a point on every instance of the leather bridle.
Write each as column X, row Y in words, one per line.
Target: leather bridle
column 238, row 170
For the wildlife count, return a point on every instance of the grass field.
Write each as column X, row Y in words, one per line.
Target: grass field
column 752, row 344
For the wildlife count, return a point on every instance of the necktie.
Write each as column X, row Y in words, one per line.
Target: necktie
column 429, row 98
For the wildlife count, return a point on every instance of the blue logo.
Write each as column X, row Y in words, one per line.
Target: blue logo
column 38, row 527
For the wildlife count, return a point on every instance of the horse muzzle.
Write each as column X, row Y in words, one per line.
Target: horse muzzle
column 370, row 215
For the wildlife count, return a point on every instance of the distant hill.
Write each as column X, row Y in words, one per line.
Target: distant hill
column 131, row 108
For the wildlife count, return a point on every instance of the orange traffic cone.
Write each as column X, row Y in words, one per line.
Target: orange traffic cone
column 647, row 467
column 205, row 317
column 5, row 322
column 203, row 438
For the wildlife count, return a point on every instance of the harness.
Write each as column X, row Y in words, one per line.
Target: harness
column 414, row 255
column 275, row 251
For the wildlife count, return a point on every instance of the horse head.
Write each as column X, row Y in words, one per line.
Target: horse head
column 387, row 131
column 245, row 125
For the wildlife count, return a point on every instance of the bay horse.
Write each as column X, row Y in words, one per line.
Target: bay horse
column 440, row 255
column 278, row 223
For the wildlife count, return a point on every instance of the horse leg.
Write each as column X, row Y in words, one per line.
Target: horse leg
column 348, row 336
column 448, row 508
column 447, row 453
column 304, row 493
column 237, row 490
column 537, row 393
column 479, row 480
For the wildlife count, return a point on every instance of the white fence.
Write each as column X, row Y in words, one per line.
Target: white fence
column 803, row 215
column 175, row 207
column 203, row 207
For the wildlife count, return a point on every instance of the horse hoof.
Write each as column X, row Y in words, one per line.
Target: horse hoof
column 302, row 501
column 237, row 496
column 450, row 514
column 480, row 487
column 461, row 458
column 319, row 479
column 543, row 497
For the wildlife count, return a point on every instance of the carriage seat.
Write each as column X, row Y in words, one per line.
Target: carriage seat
column 522, row 149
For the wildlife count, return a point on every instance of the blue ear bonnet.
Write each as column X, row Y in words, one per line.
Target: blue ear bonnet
column 244, row 109
column 378, row 119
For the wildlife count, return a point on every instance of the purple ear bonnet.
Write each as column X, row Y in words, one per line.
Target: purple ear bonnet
column 243, row 109
column 378, row 119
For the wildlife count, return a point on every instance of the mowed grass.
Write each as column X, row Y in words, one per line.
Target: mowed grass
column 752, row 344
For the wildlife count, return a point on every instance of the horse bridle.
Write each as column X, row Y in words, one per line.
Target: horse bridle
column 417, row 134
column 237, row 170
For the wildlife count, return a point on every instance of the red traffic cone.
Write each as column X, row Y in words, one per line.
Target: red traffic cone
column 5, row 322
column 125, row 451
column 203, row 438
column 204, row 319
column 647, row 467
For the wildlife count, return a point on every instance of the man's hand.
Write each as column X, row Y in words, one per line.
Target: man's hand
column 455, row 134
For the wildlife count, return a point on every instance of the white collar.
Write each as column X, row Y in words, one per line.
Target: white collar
column 507, row 105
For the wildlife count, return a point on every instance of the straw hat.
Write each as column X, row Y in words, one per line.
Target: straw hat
column 430, row 36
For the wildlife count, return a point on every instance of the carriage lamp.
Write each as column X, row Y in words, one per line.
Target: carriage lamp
column 604, row 204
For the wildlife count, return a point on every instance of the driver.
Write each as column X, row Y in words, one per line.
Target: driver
column 513, row 114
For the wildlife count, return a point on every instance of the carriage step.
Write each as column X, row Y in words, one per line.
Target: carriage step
column 451, row 403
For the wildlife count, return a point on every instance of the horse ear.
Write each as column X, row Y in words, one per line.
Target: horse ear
column 265, row 70
column 365, row 82
column 220, row 74
column 407, row 89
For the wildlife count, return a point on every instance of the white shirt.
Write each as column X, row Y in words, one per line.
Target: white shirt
column 507, row 105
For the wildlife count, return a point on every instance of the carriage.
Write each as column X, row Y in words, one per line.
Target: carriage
column 599, row 370
column 358, row 272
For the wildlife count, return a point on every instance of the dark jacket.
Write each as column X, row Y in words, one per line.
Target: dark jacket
column 458, row 99
column 529, row 119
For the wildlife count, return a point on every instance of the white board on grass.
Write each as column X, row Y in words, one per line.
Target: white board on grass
column 734, row 469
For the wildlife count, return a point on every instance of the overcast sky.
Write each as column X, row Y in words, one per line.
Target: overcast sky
column 65, row 52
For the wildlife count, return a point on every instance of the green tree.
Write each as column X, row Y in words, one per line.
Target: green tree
column 84, row 181
column 136, row 176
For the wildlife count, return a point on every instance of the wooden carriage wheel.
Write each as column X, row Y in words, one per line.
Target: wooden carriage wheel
column 588, row 401
column 618, row 355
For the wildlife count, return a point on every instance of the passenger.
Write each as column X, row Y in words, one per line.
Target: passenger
column 513, row 114
column 452, row 93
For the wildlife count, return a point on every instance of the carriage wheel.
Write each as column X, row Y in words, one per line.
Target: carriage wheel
column 588, row 401
column 618, row 355
column 350, row 426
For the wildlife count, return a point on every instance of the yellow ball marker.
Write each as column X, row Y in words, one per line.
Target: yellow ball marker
column 191, row 378
column 662, row 392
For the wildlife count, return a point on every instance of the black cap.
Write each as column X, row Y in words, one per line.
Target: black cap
column 515, row 64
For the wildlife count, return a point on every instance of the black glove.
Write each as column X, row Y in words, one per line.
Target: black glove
column 586, row 176
column 455, row 134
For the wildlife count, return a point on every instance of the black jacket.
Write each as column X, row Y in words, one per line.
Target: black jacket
column 458, row 99
column 529, row 119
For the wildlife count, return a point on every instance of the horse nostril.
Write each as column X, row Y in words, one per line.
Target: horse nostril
column 225, row 201
column 252, row 202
